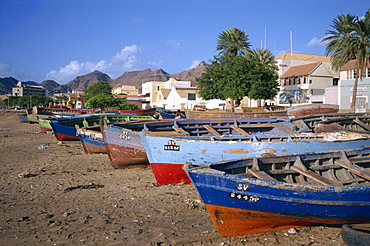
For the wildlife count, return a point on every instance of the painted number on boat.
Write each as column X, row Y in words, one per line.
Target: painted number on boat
column 243, row 187
column 124, row 135
column 171, row 145
column 243, row 197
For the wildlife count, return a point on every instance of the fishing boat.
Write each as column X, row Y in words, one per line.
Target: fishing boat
column 313, row 108
column 92, row 140
column 65, row 130
column 125, row 147
column 23, row 118
column 257, row 112
column 257, row 195
column 36, row 113
column 45, row 125
column 167, row 154
column 356, row 122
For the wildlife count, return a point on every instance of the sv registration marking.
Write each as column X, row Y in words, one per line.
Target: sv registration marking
column 171, row 145
column 124, row 136
column 243, row 197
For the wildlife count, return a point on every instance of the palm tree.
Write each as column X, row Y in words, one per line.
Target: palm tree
column 233, row 41
column 350, row 40
column 264, row 57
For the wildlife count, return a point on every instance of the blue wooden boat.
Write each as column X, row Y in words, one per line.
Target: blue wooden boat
column 92, row 140
column 256, row 195
column 65, row 130
column 23, row 118
column 125, row 147
column 167, row 154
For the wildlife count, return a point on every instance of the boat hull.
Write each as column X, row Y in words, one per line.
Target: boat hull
column 311, row 109
column 45, row 126
column 124, row 148
column 92, row 142
column 240, row 205
column 165, row 151
column 65, row 130
column 23, row 118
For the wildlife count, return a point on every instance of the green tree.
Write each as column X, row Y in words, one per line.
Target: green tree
column 103, row 101
column 235, row 77
column 98, row 88
column 233, row 41
column 263, row 57
column 350, row 40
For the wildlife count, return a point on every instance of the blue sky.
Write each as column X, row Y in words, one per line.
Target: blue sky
column 62, row 39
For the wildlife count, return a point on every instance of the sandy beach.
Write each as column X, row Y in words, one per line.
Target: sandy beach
column 52, row 193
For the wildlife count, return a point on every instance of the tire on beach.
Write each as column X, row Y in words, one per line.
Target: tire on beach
column 354, row 237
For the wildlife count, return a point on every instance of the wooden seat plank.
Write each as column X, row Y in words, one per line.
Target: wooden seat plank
column 353, row 168
column 180, row 130
column 241, row 131
column 312, row 175
column 260, row 174
column 212, row 130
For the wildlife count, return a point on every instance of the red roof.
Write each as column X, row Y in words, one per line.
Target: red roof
column 301, row 70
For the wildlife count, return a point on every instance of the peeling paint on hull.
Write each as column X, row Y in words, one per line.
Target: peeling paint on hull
column 93, row 148
column 123, row 156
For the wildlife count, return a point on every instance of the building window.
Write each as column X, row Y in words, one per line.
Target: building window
column 191, row 96
column 310, row 81
column 158, row 88
column 335, row 81
column 368, row 72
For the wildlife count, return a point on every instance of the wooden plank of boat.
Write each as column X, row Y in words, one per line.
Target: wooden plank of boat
column 240, row 130
column 363, row 125
column 312, row 175
column 212, row 130
column 353, row 168
column 260, row 174
column 180, row 130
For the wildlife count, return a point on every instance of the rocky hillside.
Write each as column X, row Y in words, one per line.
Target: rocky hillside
column 135, row 78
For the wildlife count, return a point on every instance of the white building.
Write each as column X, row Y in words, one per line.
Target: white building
column 345, row 88
column 24, row 89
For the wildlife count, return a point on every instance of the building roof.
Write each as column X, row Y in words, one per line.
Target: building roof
column 183, row 91
column 304, row 57
column 165, row 92
column 351, row 65
column 301, row 70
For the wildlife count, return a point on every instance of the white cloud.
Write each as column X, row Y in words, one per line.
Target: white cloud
column 9, row 71
column 174, row 43
column 124, row 60
column 316, row 42
column 194, row 63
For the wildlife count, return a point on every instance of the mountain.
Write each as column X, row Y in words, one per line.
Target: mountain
column 80, row 83
column 191, row 74
column 136, row 78
column 6, row 85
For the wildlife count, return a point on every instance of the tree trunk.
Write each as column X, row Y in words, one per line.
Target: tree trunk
column 354, row 92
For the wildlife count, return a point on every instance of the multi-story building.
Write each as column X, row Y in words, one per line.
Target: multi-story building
column 125, row 90
column 306, row 83
column 24, row 89
column 157, row 92
column 347, row 77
